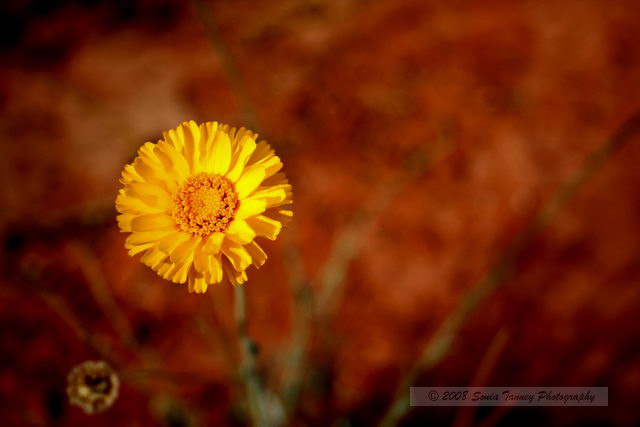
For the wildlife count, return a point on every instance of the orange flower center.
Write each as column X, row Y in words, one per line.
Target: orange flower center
column 205, row 203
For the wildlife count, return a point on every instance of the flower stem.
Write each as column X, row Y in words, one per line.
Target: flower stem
column 248, row 371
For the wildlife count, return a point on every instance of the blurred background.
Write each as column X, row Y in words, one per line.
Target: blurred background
column 420, row 137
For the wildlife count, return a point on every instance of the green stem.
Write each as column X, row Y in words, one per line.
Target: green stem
column 248, row 370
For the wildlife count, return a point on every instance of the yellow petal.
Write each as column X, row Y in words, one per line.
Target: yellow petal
column 148, row 174
column 249, row 181
column 265, row 226
column 207, row 132
column 241, row 277
column 250, row 207
column 150, row 195
column 160, row 152
column 240, row 159
column 136, row 249
column 185, row 249
column 178, row 274
column 152, row 222
column 233, row 276
column 168, row 243
column 129, row 174
column 215, row 269
column 175, row 137
column 284, row 216
column 124, row 221
column 242, row 133
column 150, row 167
column 258, row 256
column 153, row 257
column 201, row 286
column 240, row 232
column 128, row 204
column 213, row 243
column 263, row 150
column 271, row 165
column 274, row 196
column 164, row 269
column 179, row 164
column 237, row 254
column 201, row 260
column 142, row 237
column 197, row 283
column 191, row 137
column 221, row 153
column 277, row 179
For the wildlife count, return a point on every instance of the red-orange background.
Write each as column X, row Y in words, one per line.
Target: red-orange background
column 517, row 93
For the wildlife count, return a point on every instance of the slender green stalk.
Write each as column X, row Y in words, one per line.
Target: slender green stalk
column 440, row 343
column 248, row 370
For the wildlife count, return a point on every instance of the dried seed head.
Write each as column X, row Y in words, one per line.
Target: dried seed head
column 93, row 386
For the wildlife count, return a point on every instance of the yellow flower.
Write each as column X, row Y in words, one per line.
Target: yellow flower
column 195, row 201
